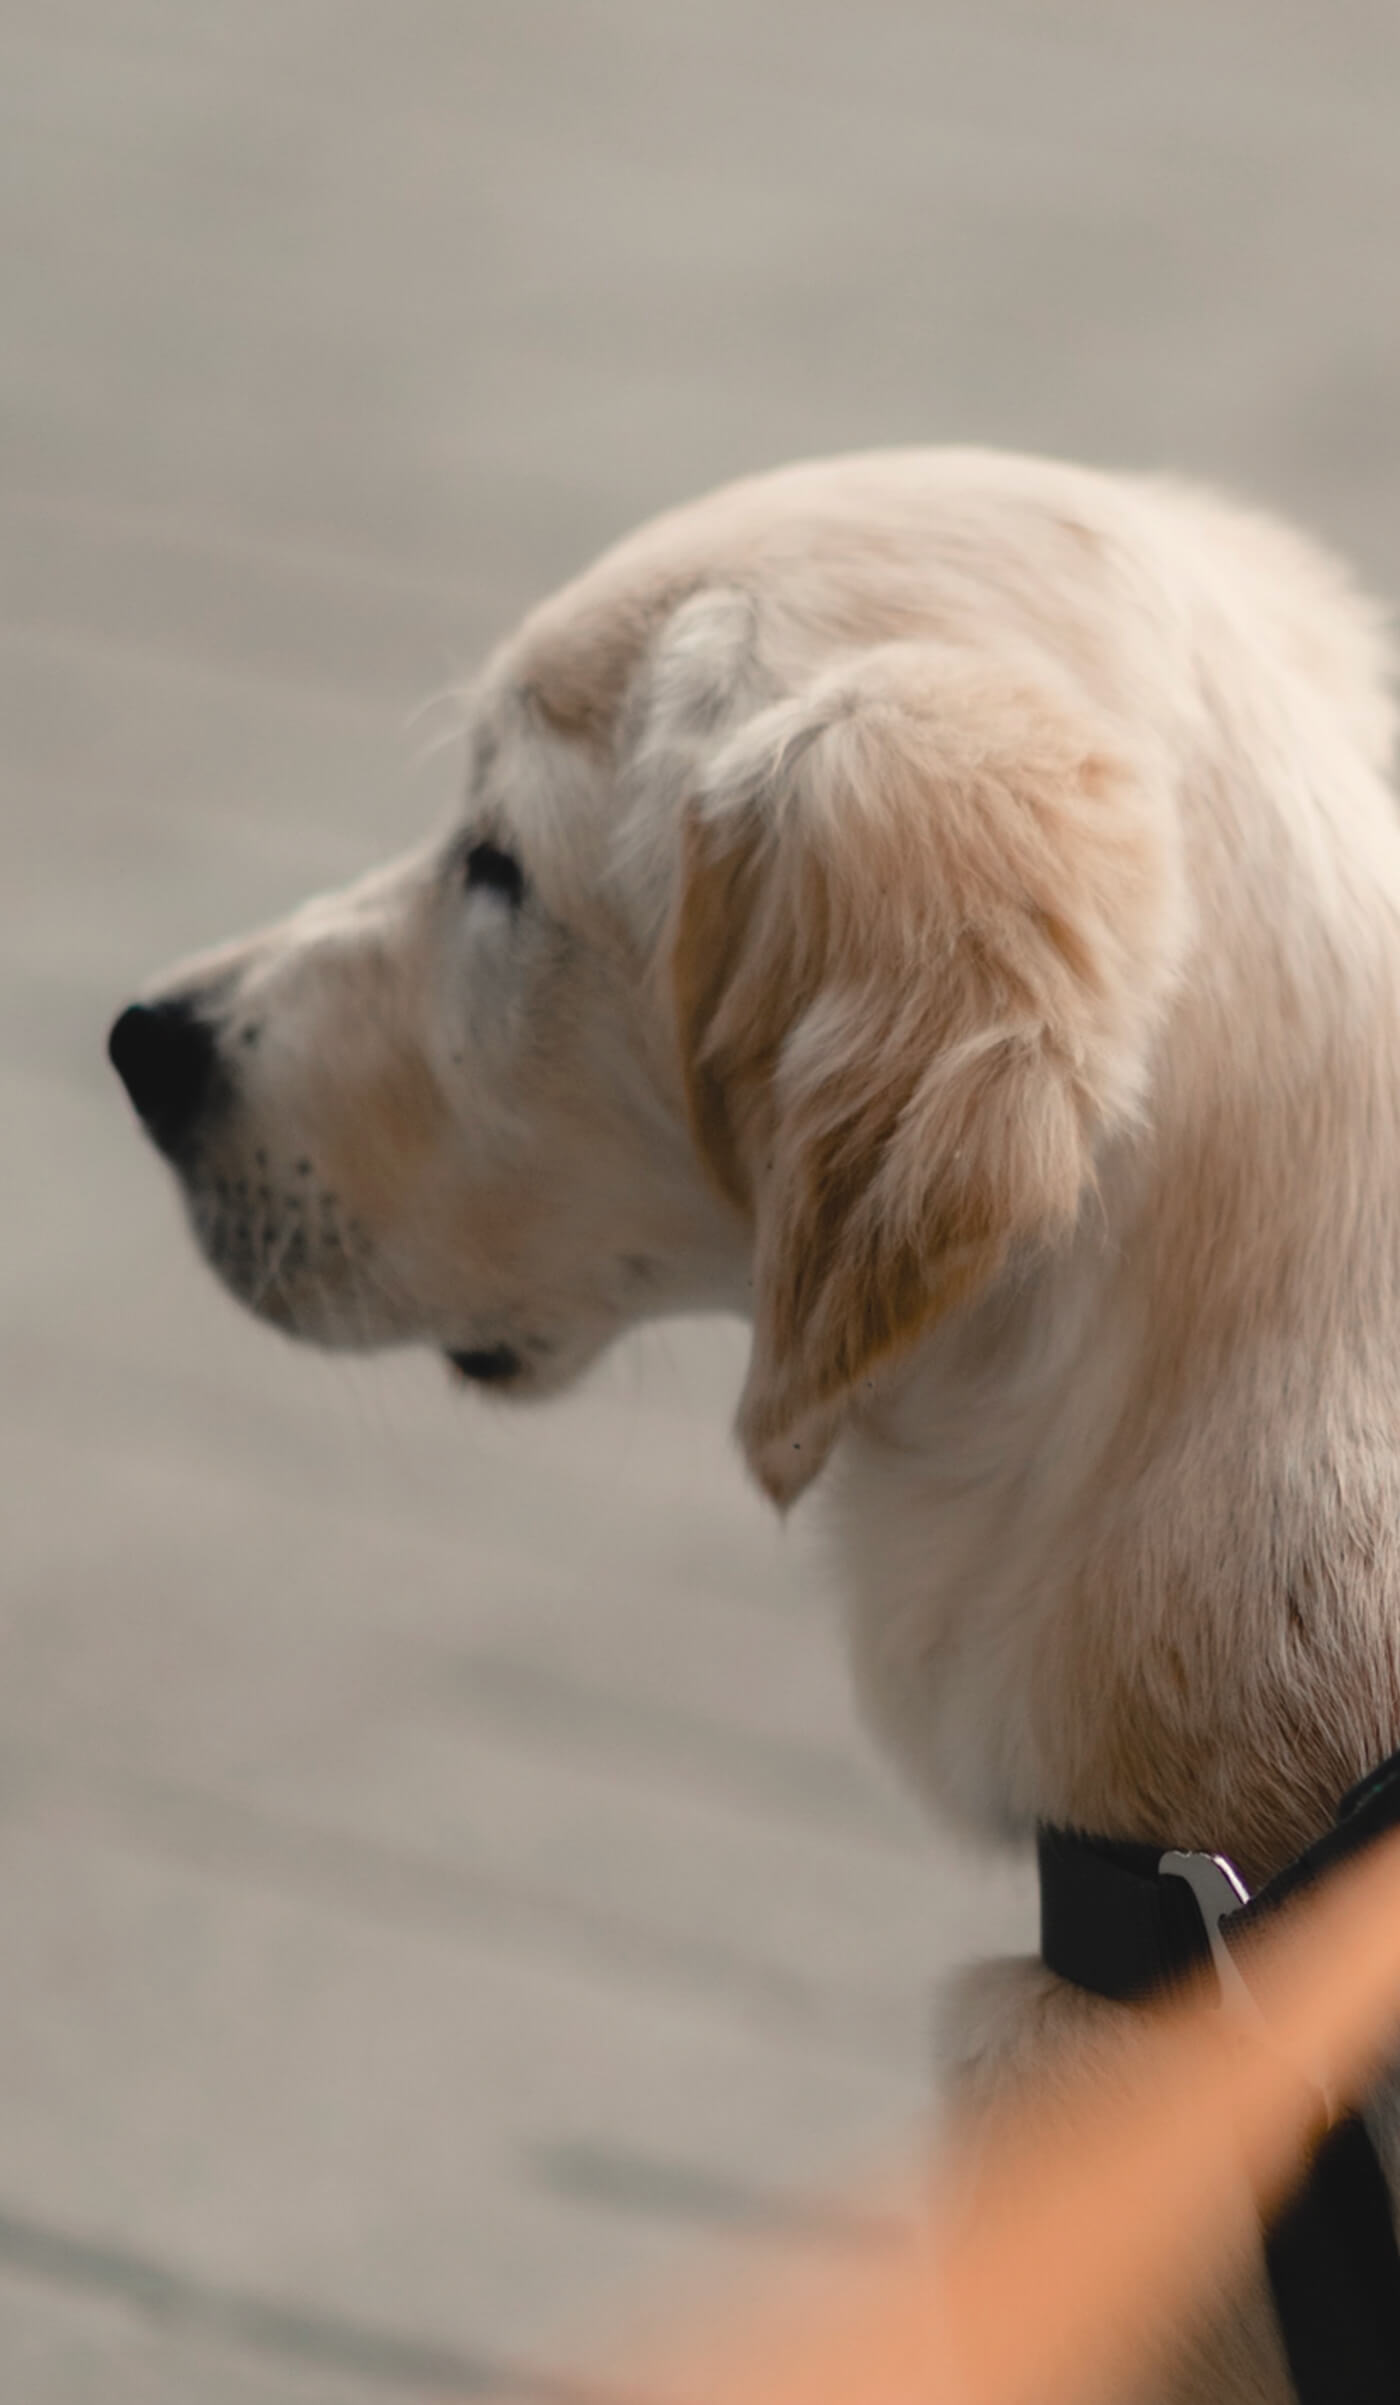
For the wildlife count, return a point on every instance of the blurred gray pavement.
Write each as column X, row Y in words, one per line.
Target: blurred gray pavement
column 446, row 1902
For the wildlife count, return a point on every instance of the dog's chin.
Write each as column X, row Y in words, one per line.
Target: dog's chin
column 279, row 1241
column 331, row 1321
column 317, row 1296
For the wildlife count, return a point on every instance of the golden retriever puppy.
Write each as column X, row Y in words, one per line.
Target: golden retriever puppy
column 947, row 908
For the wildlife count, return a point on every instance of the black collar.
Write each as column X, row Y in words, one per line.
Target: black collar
column 1128, row 1920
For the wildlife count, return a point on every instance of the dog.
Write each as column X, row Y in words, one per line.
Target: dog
column 946, row 908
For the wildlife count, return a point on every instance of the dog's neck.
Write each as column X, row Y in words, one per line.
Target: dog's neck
column 948, row 1500
column 1124, row 1550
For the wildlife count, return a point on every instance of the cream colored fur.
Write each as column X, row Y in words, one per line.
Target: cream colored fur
column 963, row 931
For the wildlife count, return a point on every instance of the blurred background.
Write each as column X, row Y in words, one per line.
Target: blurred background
column 445, row 1898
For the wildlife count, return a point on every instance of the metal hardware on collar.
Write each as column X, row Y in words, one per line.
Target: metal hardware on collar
column 1114, row 1921
column 1218, row 1890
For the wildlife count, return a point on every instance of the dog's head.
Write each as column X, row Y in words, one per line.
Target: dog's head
column 784, row 960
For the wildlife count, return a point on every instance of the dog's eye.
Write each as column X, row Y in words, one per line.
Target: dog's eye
column 498, row 872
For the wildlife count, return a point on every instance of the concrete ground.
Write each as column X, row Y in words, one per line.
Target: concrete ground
column 446, row 1901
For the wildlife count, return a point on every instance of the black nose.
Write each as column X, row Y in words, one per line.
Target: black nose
column 167, row 1059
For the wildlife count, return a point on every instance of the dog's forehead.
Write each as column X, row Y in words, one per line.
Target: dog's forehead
column 548, row 720
column 534, row 788
column 579, row 649
column 577, row 654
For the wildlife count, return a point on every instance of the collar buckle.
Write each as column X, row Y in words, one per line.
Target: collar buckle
column 1218, row 1891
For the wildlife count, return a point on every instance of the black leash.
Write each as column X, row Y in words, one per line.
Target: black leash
column 1127, row 1921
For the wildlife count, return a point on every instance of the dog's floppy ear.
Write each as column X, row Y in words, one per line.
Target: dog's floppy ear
column 920, row 934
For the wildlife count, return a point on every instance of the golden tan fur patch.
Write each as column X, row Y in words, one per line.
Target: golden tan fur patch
column 922, row 919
